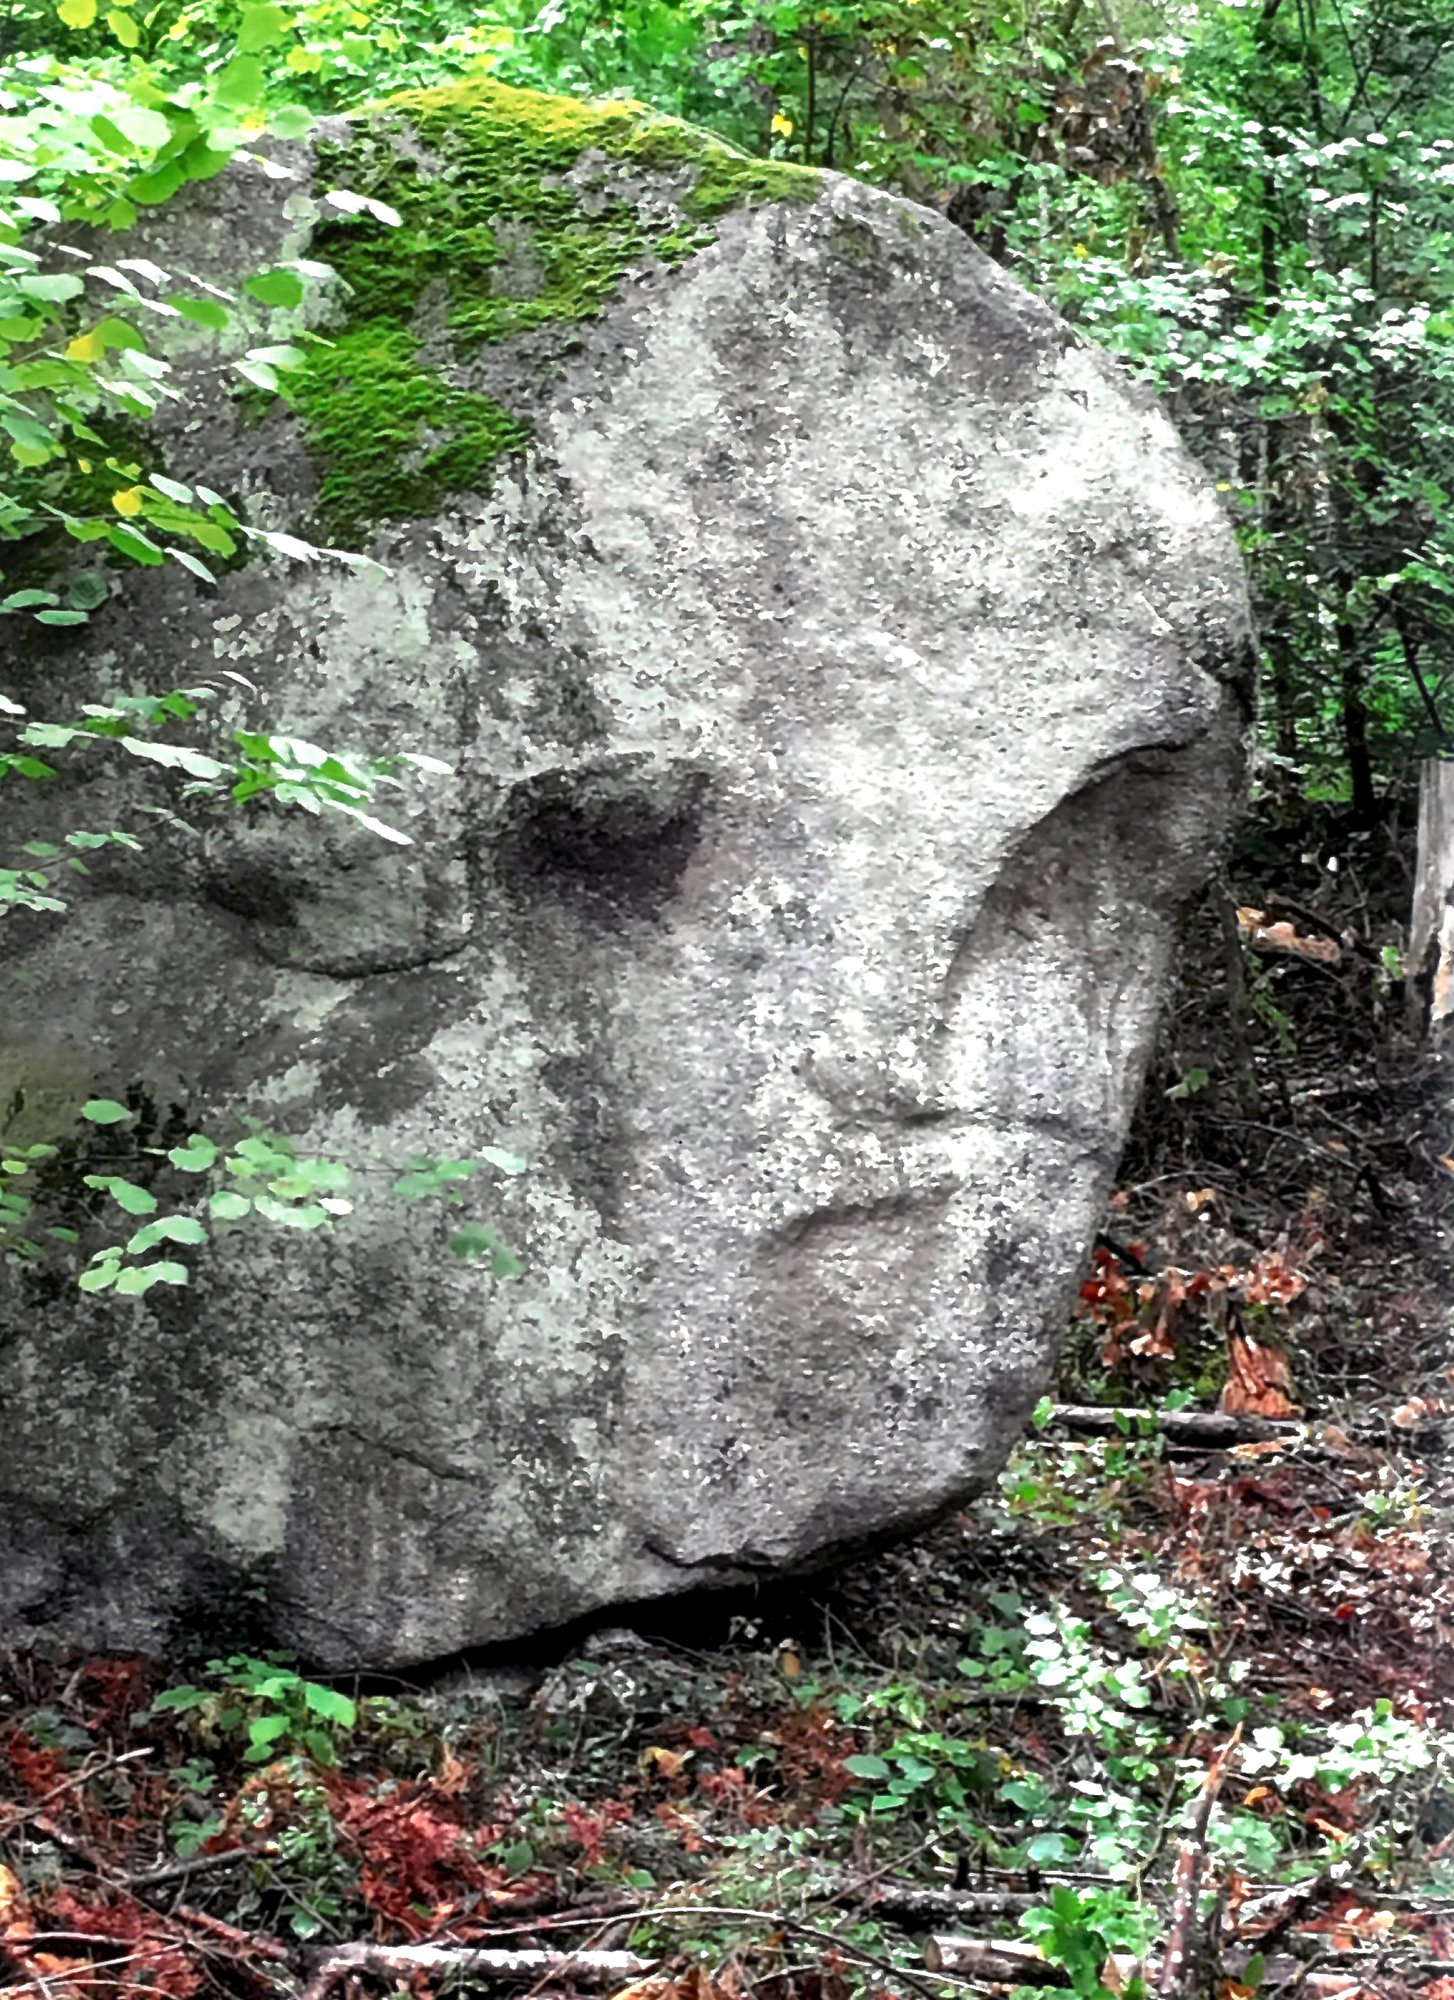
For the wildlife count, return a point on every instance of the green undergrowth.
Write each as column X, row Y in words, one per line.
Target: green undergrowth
column 1027, row 1700
column 517, row 212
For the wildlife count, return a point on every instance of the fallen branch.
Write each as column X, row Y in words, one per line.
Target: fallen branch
column 1269, row 1916
column 907, row 1903
column 1002, row 1961
column 396, row 1961
column 776, row 1920
column 1191, row 1858
column 1213, row 1429
column 194, row 1864
column 1205, row 1427
column 19, row 1816
column 246, row 1944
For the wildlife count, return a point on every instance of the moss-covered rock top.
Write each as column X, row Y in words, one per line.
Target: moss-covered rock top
column 518, row 212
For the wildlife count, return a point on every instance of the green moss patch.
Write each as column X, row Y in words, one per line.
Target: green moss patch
column 494, row 243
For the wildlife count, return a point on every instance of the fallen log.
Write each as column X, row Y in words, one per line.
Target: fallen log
column 1217, row 1429
column 1003, row 1961
column 1206, row 1427
column 396, row 1961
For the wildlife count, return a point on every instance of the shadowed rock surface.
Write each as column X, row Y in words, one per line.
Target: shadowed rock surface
column 844, row 677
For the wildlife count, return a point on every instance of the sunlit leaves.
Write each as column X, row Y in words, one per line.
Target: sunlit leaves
column 262, row 26
column 104, row 1111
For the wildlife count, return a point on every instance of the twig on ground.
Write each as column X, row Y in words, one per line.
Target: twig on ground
column 906, row 1902
column 194, row 1864
column 24, row 1815
column 244, row 1943
column 1190, row 1861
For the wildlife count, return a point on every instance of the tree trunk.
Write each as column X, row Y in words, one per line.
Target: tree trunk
column 1353, row 694
column 1431, row 931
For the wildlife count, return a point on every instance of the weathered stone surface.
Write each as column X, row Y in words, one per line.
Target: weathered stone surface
column 844, row 688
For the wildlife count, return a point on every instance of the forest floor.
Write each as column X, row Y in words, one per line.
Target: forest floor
column 1170, row 1705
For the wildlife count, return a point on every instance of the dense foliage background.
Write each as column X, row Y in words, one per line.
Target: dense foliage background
column 1250, row 202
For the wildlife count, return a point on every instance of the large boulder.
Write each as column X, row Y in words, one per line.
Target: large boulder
column 844, row 676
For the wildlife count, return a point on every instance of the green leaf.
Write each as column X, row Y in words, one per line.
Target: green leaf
column 87, row 589
column 474, row 1240
column 144, row 129
column 277, row 288
column 166, row 1229
column 210, row 313
column 330, row 1704
column 240, row 84
column 104, row 1111
column 259, row 374
column 156, row 187
column 140, row 548
column 124, row 28
column 180, row 1698
column 54, row 288
column 77, row 13
column 262, row 27
column 135, row 1200
column 98, row 1277
column 228, row 1205
column 867, row 1767
column 193, row 563
column 265, row 1729
column 137, row 1281
column 291, row 121
column 196, row 1156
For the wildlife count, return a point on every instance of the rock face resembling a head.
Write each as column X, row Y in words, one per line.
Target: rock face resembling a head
column 843, row 676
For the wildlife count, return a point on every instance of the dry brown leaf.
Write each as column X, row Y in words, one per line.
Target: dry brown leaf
column 14, row 1909
column 1258, row 1379
column 1119, row 1970
column 665, row 1763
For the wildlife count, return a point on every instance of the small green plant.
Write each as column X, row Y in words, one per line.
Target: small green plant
column 270, row 1703
column 1079, row 1929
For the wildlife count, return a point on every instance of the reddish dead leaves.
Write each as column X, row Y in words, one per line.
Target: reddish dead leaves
column 419, row 1868
column 111, row 1945
column 1153, row 1319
